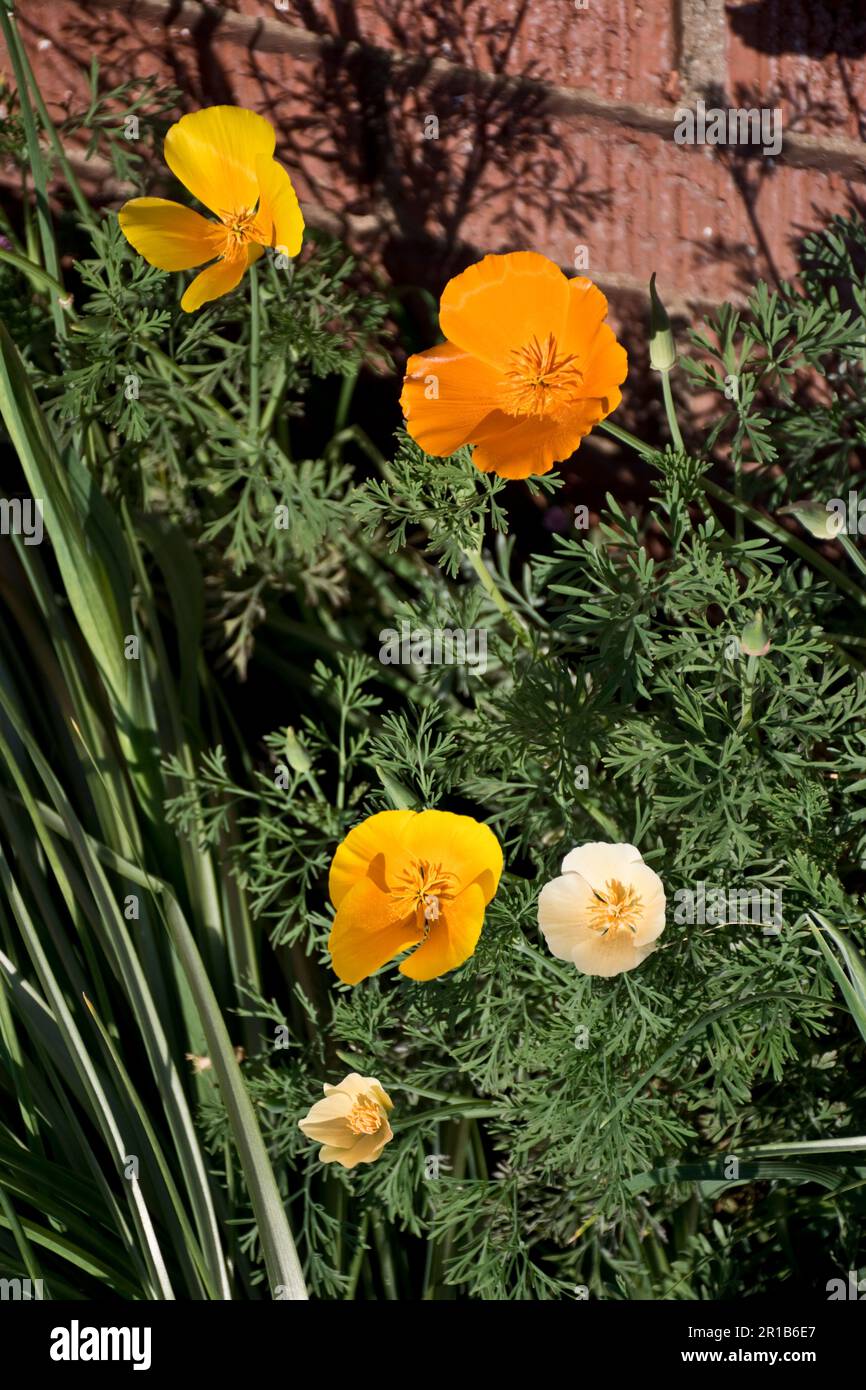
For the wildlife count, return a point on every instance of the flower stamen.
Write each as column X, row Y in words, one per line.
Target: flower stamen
column 539, row 382
column 365, row 1117
column 615, row 910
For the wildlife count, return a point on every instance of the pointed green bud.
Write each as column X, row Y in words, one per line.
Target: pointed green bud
column 662, row 348
column 296, row 754
column 822, row 522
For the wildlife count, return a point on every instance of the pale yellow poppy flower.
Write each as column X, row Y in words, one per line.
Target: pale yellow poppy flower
column 351, row 1123
column 607, row 911
column 224, row 155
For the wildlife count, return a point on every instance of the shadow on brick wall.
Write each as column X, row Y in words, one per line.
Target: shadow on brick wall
column 814, row 28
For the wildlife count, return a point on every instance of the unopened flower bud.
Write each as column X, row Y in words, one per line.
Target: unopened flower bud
column 662, row 349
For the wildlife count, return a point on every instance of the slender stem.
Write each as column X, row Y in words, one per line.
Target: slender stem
column 626, row 437
column 488, row 583
column 758, row 519
column 358, row 1258
column 671, row 412
column 386, row 1262
column 852, row 552
column 255, row 346
column 772, row 528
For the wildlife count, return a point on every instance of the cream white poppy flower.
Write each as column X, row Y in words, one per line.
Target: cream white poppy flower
column 607, row 911
column 351, row 1123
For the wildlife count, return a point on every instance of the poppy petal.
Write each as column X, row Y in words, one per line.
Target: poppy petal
column 377, row 839
column 218, row 279
column 452, row 939
column 517, row 448
column 609, row 955
column 469, row 850
column 465, row 392
column 214, row 151
column 587, row 310
column 279, row 222
column 169, row 235
column 606, row 368
column 369, row 929
column 502, row 303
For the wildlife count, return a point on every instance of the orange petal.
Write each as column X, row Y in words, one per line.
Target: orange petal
column 518, row 448
column 463, row 846
column 217, row 280
column 446, row 395
column 606, row 368
column 452, row 939
column 168, row 235
column 502, row 303
column 369, row 929
column 213, row 152
column 279, row 222
column 365, row 850
column 587, row 310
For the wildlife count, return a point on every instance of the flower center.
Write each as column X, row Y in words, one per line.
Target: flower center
column 365, row 1117
column 617, row 909
column 239, row 230
column 422, row 887
column 539, row 382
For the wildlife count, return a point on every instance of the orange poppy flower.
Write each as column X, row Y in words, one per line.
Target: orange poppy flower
column 224, row 155
column 529, row 367
column 405, row 879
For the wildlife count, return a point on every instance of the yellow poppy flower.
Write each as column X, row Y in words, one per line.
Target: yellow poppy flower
column 224, row 155
column 607, row 911
column 406, row 879
column 529, row 367
column 351, row 1123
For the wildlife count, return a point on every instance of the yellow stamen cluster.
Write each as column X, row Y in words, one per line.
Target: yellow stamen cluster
column 422, row 887
column 617, row 909
column 239, row 230
column 365, row 1117
column 539, row 383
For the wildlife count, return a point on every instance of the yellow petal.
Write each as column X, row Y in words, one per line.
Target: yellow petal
column 446, row 395
column 213, row 152
column 366, row 1149
column 219, row 279
column 463, row 846
column 452, row 939
column 279, row 222
column 369, row 929
column 365, row 849
column 168, row 235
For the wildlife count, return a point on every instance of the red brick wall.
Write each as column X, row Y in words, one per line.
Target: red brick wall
column 555, row 122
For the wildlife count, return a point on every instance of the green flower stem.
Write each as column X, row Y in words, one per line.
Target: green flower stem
column 670, row 410
column 779, row 533
column 475, row 558
column 851, row 551
column 757, row 519
column 490, row 587
column 626, row 437
column 255, row 348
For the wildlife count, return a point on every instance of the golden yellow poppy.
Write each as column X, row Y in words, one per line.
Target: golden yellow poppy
column 529, row 367
column 224, row 155
column 404, row 879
